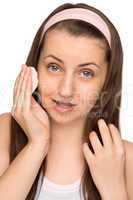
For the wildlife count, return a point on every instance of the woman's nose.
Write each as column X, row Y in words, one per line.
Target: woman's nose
column 66, row 87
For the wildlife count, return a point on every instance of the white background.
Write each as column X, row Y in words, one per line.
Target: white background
column 19, row 21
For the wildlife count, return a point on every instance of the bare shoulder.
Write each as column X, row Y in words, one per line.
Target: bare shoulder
column 129, row 167
column 5, row 117
column 5, row 122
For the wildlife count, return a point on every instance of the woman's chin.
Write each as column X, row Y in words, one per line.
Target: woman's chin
column 61, row 118
column 65, row 118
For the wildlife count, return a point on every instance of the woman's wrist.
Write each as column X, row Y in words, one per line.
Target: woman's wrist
column 115, row 195
column 40, row 145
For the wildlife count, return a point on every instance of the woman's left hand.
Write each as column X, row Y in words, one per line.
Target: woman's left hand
column 107, row 163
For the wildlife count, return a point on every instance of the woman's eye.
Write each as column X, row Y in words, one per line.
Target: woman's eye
column 88, row 74
column 53, row 67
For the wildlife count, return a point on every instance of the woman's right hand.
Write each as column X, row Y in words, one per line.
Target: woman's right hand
column 27, row 112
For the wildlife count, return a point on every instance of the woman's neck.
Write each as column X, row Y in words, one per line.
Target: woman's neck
column 65, row 161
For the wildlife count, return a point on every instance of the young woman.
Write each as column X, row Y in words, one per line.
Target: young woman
column 66, row 135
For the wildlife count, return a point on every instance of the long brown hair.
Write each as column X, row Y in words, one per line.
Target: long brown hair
column 108, row 108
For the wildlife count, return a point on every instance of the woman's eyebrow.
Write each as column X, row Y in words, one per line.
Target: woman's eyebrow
column 80, row 65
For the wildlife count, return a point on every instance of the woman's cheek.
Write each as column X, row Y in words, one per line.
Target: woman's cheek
column 89, row 94
column 45, row 89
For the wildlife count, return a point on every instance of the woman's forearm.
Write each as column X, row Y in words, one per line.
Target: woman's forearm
column 17, row 180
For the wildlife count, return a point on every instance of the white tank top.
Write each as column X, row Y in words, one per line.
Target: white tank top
column 52, row 191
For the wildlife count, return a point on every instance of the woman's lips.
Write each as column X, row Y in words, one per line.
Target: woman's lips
column 63, row 107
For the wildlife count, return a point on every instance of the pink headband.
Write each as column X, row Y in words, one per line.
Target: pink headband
column 82, row 14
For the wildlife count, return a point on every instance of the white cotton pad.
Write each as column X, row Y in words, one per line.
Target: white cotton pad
column 34, row 79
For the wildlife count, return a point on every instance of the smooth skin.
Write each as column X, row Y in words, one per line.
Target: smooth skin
column 109, row 178
column 107, row 164
column 28, row 113
column 68, row 81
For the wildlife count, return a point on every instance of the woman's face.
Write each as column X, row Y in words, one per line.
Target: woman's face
column 63, row 77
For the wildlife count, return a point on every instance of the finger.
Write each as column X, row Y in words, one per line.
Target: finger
column 19, row 87
column 115, row 135
column 16, row 84
column 105, row 133
column 21, row 99
column 87, row 153
column 96, row 144
column 15, row 88
column 28, row 91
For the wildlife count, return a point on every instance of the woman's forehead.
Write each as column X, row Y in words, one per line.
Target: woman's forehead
column 63, row 45
column 65, row 39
